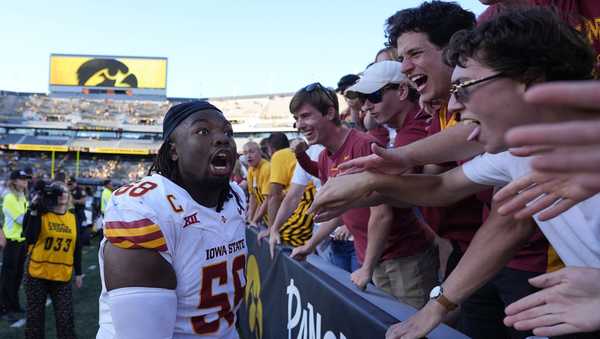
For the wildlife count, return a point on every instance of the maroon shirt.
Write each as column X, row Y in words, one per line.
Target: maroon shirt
column 408, row 235
column 380, row 134
column 413, row 128
column 457, row 222
column 577, row 13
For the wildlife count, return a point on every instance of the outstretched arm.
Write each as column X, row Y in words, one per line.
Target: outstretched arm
column 450, row 144
column 419, row 190
column 498, row 239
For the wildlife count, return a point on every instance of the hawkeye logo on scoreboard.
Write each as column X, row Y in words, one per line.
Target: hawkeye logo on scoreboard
column 111, row 72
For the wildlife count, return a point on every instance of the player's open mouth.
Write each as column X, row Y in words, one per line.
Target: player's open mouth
column 221, row 163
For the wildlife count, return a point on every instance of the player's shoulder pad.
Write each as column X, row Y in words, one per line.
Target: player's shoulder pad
column 131, row 220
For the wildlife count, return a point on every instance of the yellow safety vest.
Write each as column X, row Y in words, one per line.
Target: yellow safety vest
column 52, row 256
column 106, row 193
column 14, row 208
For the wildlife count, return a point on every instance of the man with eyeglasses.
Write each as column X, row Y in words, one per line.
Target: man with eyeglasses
column 377, row 230
column 490, row 77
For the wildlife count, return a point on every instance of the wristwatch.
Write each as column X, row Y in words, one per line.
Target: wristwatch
column 437, row 293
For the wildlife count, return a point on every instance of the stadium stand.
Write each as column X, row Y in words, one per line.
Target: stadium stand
column 113, row 135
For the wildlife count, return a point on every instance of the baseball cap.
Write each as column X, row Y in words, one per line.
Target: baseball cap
column 19, row 174
column 379, row 75
column 346, row 81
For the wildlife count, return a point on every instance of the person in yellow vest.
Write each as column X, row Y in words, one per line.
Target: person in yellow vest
column 14, row 206
column 54, row 251
column 106, row 193
column 259, row 173
column 104, row 199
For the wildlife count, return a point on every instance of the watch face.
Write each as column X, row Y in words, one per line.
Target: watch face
column 435, row 292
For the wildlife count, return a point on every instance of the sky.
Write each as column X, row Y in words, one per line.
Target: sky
column 214, row 48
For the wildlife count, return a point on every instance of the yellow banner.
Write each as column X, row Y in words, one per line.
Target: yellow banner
column 43, row 148
column 67, row 70
column 110, row 150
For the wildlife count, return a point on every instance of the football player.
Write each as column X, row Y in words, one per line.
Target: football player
column 174, row 254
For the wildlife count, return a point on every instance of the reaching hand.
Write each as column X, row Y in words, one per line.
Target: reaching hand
column 568, row 303
column 342, row 233
column 261, row 235
column 301, row 252
column 568, row 147
column 420, row 324
column 299, row 147
column 274, row 240
column 361, row 277
column 388, row 161
column 342, row 191
column 538, row 192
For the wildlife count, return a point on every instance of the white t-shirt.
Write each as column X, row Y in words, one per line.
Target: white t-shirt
column 574, row 234
column 301, row 177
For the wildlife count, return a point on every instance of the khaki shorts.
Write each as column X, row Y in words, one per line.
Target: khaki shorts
column 409, row 279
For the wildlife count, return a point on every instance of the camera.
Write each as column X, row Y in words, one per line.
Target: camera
column 46, row 196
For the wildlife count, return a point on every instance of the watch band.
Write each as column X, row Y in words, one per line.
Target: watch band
column 448, row 305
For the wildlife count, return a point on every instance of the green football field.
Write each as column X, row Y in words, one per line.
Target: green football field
column 85, row 303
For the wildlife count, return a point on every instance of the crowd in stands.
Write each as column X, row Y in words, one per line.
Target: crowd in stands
column 119, row 168
column 257, row 111
column 411, row 173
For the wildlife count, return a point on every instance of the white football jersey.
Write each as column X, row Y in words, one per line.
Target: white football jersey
column 206, row 249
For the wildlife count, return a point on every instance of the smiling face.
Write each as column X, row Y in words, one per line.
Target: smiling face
column 313, row 124
column 204, row 148
column 422, row 63
column 495, row 105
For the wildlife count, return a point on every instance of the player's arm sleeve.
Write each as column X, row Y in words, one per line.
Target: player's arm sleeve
column 143, row 312
column 131, row 223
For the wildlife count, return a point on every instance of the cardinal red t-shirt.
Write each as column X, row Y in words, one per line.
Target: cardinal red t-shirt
column 408, row 235
column 459, row 221
column 413, row 128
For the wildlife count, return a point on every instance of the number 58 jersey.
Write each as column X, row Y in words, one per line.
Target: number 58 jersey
column 207, row 250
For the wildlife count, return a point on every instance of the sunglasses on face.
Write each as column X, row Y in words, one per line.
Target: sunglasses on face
column 461, row 92
column 375, row 97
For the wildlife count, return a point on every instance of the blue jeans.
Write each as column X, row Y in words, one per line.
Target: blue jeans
column 342, row 255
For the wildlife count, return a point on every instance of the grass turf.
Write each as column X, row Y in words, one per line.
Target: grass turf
column 85, row 302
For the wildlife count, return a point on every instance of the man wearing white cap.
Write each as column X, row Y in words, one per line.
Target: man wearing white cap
column 389, row 99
